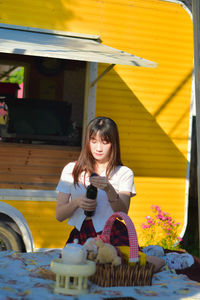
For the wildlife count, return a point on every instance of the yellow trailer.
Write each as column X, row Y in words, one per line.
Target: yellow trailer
column 152, row 106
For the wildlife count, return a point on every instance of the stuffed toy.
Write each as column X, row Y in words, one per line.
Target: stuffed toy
column 101, row 252
column 107, row 254
column 91, row 247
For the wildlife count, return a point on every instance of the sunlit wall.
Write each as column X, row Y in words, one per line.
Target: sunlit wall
column 150, row 106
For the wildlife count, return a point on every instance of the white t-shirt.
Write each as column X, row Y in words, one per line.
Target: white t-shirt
column 122, row 179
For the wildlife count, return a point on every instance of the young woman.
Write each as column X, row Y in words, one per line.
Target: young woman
column 115, row 184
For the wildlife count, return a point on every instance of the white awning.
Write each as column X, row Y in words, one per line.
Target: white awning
column 64, row 45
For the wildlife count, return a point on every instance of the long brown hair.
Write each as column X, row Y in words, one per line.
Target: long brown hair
column 109, row 132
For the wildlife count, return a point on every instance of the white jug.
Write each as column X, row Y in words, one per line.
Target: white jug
column 74, row 254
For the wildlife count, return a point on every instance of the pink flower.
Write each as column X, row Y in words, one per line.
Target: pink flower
column 150, row 221
column 164, row 221
column 159, row 216
column 156, row 207
column 144, row 226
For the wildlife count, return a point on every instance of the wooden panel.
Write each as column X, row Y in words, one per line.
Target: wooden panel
column 33, row 167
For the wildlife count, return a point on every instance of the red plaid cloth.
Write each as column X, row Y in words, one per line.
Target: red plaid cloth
column 118, row 236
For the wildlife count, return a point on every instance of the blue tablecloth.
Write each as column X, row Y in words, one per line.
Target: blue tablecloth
column 20, row 279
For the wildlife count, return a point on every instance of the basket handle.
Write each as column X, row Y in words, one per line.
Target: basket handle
column 133, row 240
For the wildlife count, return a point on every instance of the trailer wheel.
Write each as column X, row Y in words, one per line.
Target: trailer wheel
column 9, row 239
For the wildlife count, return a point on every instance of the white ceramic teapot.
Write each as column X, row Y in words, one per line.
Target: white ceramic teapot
column 74, row 254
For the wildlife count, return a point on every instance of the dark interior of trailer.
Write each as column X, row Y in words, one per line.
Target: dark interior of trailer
column 46, row 107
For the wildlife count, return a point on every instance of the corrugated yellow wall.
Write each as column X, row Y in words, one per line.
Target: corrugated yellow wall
column 40, row 216
column 151, row 106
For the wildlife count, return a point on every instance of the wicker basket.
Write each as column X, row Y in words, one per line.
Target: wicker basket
column 124, row 275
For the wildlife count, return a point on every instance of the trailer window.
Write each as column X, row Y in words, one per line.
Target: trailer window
column 49, row 107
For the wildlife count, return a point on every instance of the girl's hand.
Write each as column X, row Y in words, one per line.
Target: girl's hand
column 100, row 182
column 87, row 204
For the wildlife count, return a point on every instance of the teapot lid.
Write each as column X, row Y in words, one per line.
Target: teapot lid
column 74, row 245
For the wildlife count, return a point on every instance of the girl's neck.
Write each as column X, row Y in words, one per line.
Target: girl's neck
column 100, row 167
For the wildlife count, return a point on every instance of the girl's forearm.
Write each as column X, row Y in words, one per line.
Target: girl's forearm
column 66, row 210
